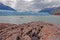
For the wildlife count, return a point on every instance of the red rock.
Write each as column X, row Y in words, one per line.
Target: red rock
column 29, row 31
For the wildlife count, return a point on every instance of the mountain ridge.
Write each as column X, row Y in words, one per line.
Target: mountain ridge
column 4, row 7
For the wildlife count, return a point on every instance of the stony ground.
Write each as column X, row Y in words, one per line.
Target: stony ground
column 29, row 31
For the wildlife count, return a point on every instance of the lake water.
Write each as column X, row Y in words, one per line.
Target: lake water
column 25, row 19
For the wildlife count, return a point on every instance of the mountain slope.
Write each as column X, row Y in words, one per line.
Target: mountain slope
column 56, row 11
column 47, row 10
column 4, row 7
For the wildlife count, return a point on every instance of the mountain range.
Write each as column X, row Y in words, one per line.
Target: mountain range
column 52, row 11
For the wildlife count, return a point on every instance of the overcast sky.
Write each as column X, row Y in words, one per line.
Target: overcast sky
column 23, row 5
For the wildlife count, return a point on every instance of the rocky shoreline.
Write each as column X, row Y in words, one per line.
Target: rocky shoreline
column 29, row 31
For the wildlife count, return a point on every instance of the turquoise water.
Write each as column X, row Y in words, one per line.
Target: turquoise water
column 15, row 13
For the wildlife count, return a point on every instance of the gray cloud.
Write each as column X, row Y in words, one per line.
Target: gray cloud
column 21, row 5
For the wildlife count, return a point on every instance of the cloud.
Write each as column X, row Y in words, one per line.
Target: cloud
column 22, row 5
column 45, row 3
